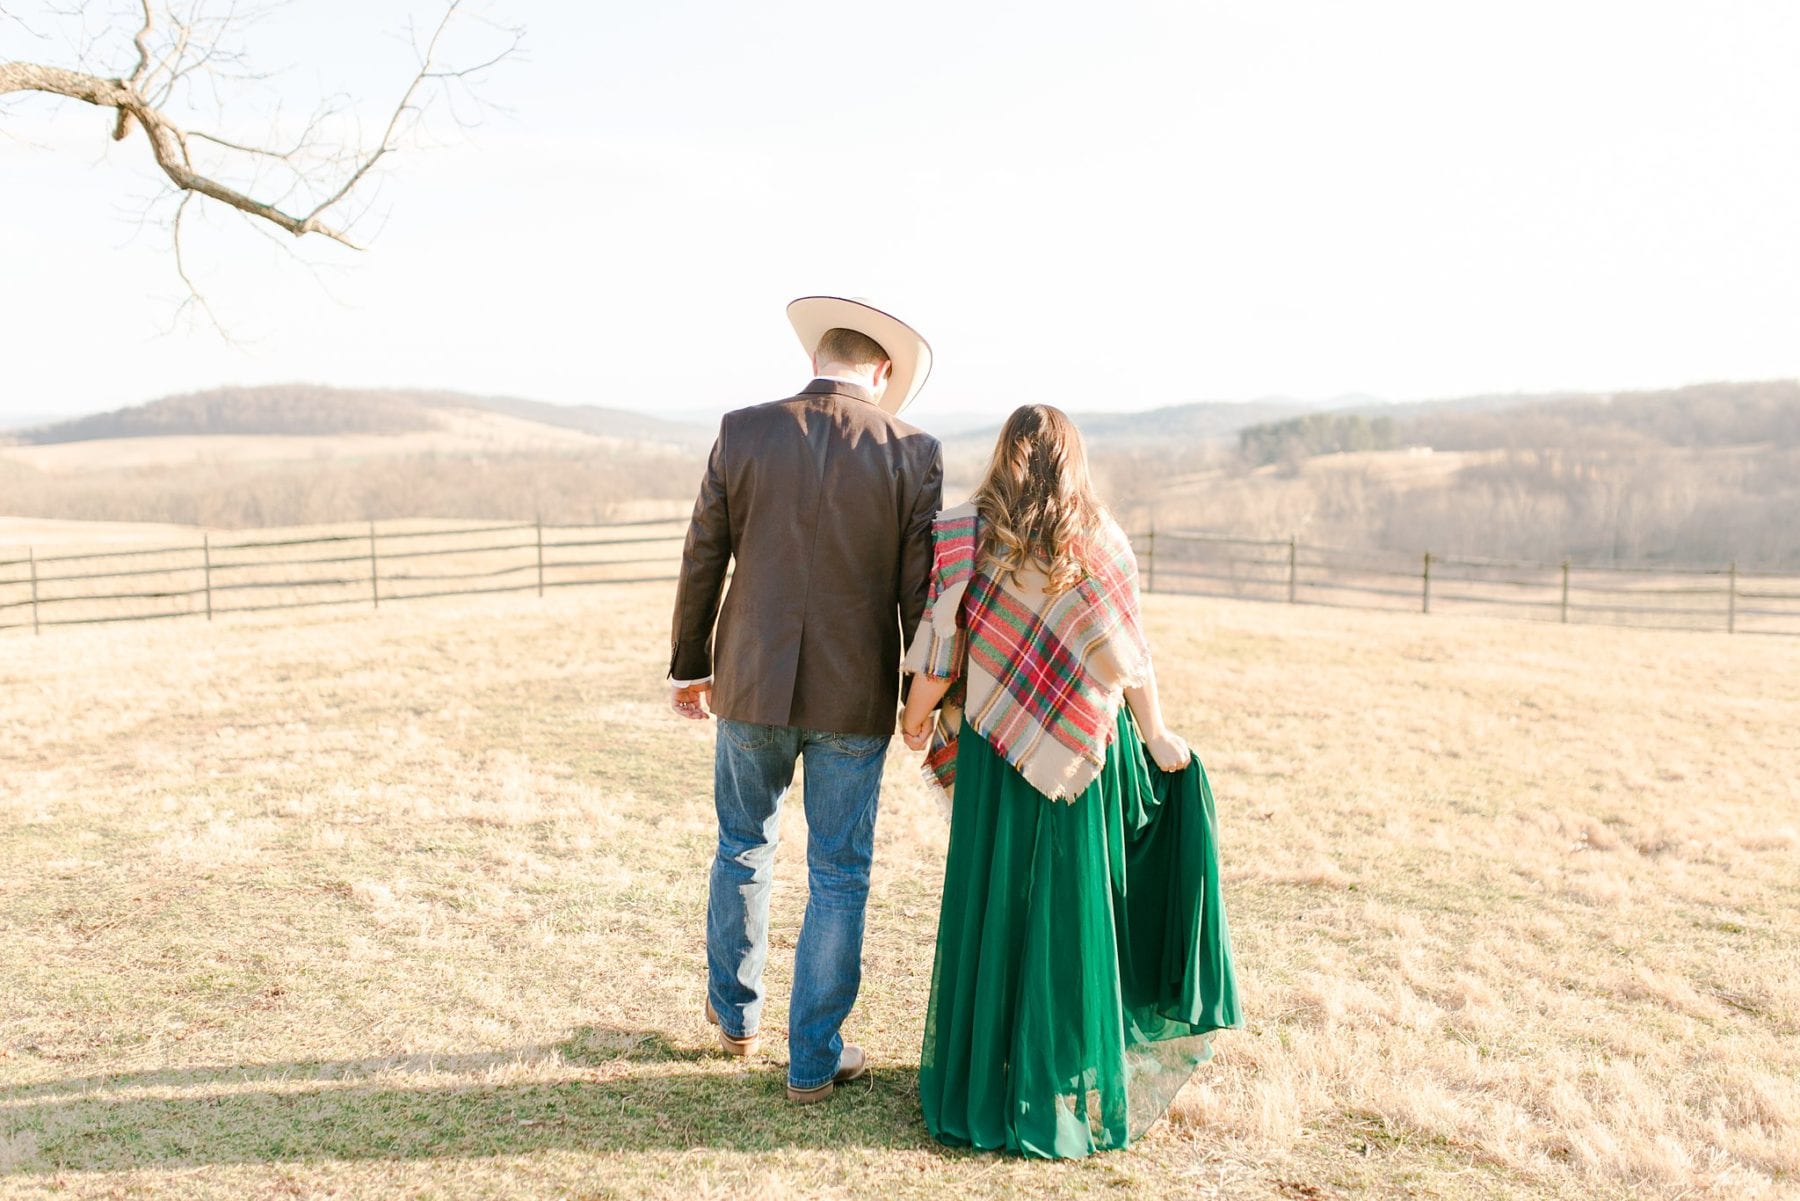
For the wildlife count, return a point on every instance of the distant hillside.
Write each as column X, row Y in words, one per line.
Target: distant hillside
column 592, row 419
column 1707, row 474
column 1487, row 402
column 1198, row 422
column 315, row 410
column 1725, row 414
column 1702, row 415
column 1185, row 424
column 1317, row 434
column 294, row 409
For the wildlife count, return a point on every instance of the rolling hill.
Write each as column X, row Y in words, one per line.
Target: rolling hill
column 312, row 410
column 1764, row 414
column 300, row 454
column 1195, row 422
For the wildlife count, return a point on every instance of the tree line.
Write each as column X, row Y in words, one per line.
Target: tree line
column 1316, row 434
column 1698, row 475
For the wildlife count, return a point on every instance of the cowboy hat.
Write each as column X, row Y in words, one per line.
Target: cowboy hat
column 910, row 354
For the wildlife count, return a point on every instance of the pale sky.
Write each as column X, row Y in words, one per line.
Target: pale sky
column 1101, row 206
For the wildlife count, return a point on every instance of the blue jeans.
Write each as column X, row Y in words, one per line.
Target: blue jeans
column 752, row 769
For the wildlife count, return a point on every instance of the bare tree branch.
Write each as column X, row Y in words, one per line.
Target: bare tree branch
column 142, row 42
column 10, row 18
column 195, row 297
column 168, row 143
column 196, row 46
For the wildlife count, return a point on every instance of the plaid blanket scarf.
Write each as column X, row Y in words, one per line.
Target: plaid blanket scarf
column 1039, row 676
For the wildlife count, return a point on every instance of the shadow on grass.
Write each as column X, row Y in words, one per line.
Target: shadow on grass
column 640, row 1091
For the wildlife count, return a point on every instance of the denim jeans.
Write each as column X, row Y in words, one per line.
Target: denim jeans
column 753, row 767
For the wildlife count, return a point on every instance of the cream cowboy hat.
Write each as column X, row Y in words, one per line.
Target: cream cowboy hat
column 911, row 354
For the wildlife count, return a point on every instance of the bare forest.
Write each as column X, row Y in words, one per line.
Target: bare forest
column 1698, row 476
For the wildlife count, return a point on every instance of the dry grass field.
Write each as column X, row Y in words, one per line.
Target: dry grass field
column 409, row 903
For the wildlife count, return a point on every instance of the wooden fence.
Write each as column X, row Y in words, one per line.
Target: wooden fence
column 1649, row 595
column 368, row 566
column 410, row 561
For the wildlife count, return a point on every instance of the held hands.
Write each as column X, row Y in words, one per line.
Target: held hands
column 921, row 740
column 1169, row 750
column 691, row 701
column 916, row 718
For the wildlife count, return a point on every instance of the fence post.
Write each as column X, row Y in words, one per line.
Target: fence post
column 540, row 555
column 374, row 570
column 206, row 552
column 1425, row 606
column 1565, row 591
column 31, row 552
column 1293, row 561
column 1731, row 604
column 1150, row 555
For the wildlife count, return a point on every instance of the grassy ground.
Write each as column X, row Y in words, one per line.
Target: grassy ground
column 409, row 903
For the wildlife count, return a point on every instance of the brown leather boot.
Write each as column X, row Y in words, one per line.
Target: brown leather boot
column 851, row 1064
column 742, row 1048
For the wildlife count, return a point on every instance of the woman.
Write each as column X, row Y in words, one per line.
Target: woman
column 1082, row 953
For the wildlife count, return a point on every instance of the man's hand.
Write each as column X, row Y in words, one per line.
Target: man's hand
column 691, row 700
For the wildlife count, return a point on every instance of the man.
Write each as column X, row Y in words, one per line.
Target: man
column 824, row 501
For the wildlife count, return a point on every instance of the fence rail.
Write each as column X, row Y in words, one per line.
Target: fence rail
column 373, row 566
column 370, row 567
column 1643, row 594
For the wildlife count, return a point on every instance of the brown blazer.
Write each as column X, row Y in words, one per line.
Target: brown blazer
column 825, row 502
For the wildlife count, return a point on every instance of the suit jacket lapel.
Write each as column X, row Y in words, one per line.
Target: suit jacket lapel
column 822, row 387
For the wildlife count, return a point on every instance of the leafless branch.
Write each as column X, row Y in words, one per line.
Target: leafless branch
column 8, row 17
column 195, row 297
column 172, row 50
column 142, row 42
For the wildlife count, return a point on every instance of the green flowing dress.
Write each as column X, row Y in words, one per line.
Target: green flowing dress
column 1083, row 958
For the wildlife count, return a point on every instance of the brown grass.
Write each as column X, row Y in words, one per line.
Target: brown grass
column 408, row 903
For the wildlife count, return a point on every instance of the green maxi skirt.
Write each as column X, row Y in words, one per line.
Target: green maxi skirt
column 1082, row 954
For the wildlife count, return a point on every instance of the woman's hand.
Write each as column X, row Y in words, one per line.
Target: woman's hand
column 921, row 740
column 1169, row 750
column 692, row 700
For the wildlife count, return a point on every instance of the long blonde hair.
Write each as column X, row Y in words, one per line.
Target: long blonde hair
column 1037, row 502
